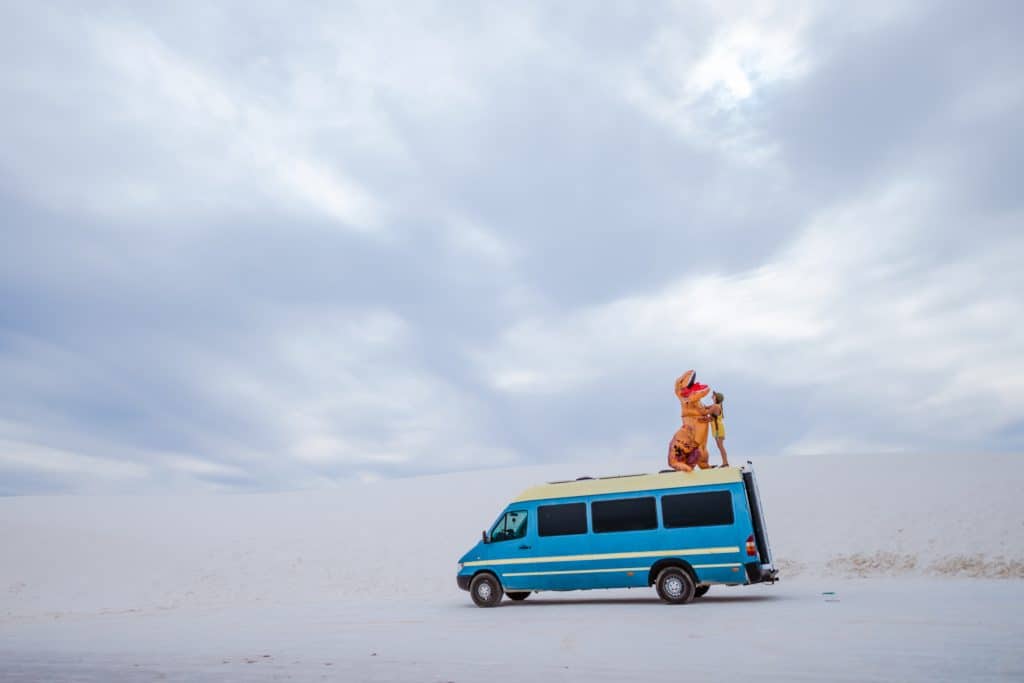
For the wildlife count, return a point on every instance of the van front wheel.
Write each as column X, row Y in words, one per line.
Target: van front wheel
column 675, row 586
column 485, row 590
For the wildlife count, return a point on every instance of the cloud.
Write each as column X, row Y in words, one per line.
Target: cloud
column 849, row 305
column 265, row 249
column 310, row 397
column 698, row 87
column 64, row 464
column 810, row 445
column 175, row 138
column 476, row 241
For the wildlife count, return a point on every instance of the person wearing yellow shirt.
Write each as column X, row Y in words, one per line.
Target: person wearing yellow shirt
column 718, row 426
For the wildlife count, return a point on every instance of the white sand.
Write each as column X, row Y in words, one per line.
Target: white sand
column 195, row 587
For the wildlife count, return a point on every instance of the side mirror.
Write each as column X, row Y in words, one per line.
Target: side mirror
column 483, row 536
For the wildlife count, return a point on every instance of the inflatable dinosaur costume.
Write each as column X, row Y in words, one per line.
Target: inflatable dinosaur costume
column 689, row 445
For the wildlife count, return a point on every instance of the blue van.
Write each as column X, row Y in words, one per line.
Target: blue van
column 678, row 531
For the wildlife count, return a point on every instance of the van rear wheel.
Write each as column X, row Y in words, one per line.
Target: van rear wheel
column 486, row 590
column 700, row 591
column 675, row 586
column 518, row 595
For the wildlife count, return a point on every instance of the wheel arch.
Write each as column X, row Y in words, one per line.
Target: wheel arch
column 487, row 570
column 667, row 562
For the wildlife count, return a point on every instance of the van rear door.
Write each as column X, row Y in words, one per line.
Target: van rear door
column 768, row 571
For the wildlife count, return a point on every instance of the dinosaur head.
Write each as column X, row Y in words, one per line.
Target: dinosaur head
column 689, row 389
column 696, row 392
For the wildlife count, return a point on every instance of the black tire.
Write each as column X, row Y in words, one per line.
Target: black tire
column 700, row 591
column 675, row 586
column 486, row 590
column 518, row 595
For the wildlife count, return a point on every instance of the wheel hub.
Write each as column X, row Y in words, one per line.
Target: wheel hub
column 674, row 586
column 484, row 590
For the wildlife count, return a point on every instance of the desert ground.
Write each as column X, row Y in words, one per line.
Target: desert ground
column 893, row 568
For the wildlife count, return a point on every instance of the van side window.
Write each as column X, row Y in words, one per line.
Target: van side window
column 562, row 520
column 697, row 509
column 512, row 525
column 628, row 514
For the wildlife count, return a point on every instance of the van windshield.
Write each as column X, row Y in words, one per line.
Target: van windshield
column 512, row 525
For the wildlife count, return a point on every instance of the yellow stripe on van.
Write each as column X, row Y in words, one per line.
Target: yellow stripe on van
column 603, row 556
column 639, row 482
column 579, row 571
column 616, row 569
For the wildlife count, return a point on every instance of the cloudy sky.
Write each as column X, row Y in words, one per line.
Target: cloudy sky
column 249, row 247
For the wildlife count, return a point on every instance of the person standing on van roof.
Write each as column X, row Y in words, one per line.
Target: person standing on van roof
column 718, row 426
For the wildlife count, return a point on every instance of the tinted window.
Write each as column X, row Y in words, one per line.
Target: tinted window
column 512, row 525
column 562, row 520
column 629, row 514
column 697, row 509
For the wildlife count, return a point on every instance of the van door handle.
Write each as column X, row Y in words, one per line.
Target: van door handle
column 524, row 547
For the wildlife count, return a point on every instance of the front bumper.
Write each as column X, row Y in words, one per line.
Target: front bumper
column 463, row 581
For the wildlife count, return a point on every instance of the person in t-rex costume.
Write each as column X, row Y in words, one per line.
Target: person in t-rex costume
column 689, row 445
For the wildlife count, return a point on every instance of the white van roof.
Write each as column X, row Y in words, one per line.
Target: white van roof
column 586, row 486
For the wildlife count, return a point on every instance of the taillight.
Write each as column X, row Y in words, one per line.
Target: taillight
column 751, row 546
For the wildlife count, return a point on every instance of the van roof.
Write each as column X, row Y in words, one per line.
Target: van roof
column 586, row 486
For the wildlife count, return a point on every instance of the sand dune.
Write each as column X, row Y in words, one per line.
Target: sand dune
column 828, row 516
column 357, row 583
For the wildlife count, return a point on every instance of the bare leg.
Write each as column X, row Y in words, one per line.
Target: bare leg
column 720, row 440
